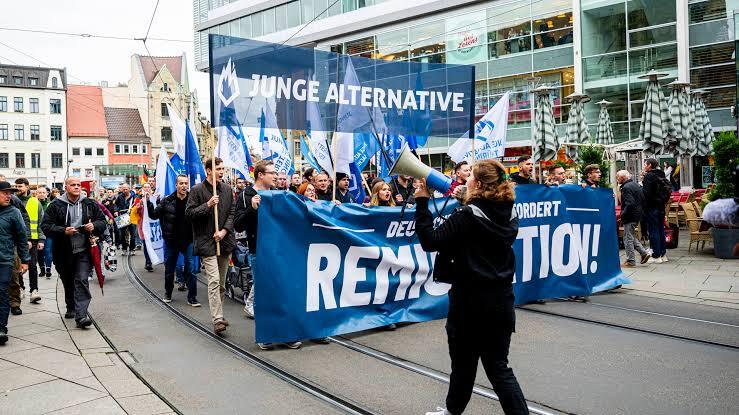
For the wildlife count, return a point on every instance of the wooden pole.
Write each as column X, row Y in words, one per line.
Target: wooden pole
column 215, row 184
column 333, row 160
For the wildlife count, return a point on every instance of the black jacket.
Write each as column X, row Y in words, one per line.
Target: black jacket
column 245, row 218
column 18, row 204
column 166, row 212
column 346, row 198
column 56, row 220
column 122, row 204
column 403, row 191
column 110, row 204
column 651, row 186
column 201, row 217
column 484, row 261
column 632, row 202
column 518, row 179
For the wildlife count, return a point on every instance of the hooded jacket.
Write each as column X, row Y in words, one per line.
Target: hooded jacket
column 480, row 250
column 62, row 213
column 12, row 236
column 650, row 187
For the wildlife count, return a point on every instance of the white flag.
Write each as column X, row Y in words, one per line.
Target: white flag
column 274, row 147
column 161, row 173
column 317, row 138
column 490, row 135
column 231, row 150
column 153, row 235
column 349, row 118
column 178, row 132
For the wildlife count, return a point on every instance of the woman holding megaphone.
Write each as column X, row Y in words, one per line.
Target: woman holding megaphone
column 475, row 255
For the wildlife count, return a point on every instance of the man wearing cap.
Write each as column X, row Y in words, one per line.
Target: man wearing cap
column 70, row 221
column 342, row 189
column 16, row 288
column 13, row 244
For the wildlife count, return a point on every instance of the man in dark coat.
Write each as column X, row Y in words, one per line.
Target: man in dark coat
column 654, row 212
column 632, row 202
column 342, row 189
column 70, row 220
column 13, row 242
column 123, row 204
column 177, row 233
column 525, row 171
column 201, row 213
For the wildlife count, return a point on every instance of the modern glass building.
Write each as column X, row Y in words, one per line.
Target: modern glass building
column 598, row 47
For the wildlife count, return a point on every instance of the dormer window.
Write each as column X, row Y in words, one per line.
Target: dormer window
column 54, row 83
column 165, row 87
column 33, row 81
column 18, row 80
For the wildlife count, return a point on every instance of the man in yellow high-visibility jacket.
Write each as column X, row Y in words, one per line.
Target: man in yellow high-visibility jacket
column 35, row 214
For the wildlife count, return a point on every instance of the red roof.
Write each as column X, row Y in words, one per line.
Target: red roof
column 85, row 113
column 153, row 64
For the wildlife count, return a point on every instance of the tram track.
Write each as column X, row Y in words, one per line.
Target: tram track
column 304, row 385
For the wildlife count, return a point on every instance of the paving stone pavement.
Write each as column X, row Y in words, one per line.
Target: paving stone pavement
column 49, row 366
column 695, row 277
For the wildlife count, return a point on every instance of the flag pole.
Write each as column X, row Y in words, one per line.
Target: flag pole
column 333, row 160
column 215, row 185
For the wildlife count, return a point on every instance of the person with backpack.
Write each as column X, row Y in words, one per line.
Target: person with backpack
column 657, row 190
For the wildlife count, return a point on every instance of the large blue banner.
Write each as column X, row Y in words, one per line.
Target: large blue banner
column 325, row 269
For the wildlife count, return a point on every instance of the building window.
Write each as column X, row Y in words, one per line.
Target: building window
column 100, row 151
column 88, row 151
column 35, row 160
column 33, row 81
column 18, row 104
column 2, row 79
column 3, row 104
column 3, row 160
column 165, row 87
column 75, row 151
column 166, row 134
column 76, row 172
column 56, row 133
column 3, row 131
column 19, row 132
column 135, row 148
column 54, row 82
column 35, row 133
column 20, row 160
column 117, row 149
column 33, row 105
column 56, row 160
column 126, row 150
column 55, row 106
column 18, row 80
column 165, row 110
column 143, row 148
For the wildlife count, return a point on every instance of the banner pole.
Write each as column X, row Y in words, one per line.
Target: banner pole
column 215, row 185
column 333, row 160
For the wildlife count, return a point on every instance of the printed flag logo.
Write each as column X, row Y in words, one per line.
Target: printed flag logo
column 228, row 84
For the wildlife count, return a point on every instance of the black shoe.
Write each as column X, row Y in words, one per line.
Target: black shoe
column 391, row 327
column 3, row 338
column 321, row 340
column 69, row 315
column 84, row 322
column 537, row 302
column 149, row 268
column 181, row 287
column 16, row 311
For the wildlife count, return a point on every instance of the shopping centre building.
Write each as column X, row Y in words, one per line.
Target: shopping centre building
column 598, row 47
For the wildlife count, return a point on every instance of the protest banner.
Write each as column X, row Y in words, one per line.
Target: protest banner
column 349, row 268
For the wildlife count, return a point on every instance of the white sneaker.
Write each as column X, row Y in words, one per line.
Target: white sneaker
column 664, row 258
column 439, row 411
column 654, row 261
column 249, row 311
column 23, row 293
column 35, row 297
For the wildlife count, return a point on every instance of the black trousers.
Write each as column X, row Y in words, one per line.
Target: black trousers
column 465, row 350
column 128, row 237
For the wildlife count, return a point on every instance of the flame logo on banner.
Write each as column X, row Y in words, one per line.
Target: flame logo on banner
column 228, row 84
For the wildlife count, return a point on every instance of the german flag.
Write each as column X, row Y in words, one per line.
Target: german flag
column 144, row 176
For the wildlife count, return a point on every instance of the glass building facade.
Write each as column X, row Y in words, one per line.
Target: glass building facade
column 509, row 41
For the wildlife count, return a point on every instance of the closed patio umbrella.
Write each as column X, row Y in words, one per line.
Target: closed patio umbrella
column 654, row 130
column 703, row 128
column 546, row 143
column 681, row 119
column 577, row 126
column 604, row 133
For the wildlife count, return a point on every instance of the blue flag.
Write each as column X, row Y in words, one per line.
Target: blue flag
column 193, row 164
column 356, row 188
column 307, row 155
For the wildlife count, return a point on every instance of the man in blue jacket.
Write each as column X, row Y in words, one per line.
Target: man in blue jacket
column 13, row 240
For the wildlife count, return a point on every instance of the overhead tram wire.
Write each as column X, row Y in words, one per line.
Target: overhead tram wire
column 88, row 35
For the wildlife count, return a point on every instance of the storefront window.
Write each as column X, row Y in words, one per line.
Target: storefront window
column 600, row 14
column 653, row 36
column 393, row 46
column 703, row 11
column 363, row 47
column 650, row 13
column 427, row 39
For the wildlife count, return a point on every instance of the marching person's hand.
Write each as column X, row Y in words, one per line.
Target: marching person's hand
column 422, row 191
column 69, row 230
column 255, row 201
column 399, row 198
column 30, row 244
column 337, row 203
column 24, row 268
column 89, row 227
column 218, row 236
column 455, row 193
column 213, row 201
column 40, row 246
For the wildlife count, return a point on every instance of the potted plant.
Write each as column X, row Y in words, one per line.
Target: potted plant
column 721, row 211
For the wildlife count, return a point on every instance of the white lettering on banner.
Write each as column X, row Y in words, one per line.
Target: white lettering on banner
column 530, row 210
column 364, row 96
column 401, row 229
column 583, row 244
column 324, row 263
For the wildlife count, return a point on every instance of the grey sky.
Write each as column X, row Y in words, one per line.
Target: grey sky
column 91, row 60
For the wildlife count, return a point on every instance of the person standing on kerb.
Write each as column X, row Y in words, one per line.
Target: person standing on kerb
column 475, row 255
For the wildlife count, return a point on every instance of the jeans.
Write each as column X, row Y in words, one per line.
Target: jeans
column 146, row 253
column 655, row 219
column 249, row 303
column 47, row 256
column 6, row 274
column 76, row 287
column 465, row 351
column 171, row 254
column 631, row 242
